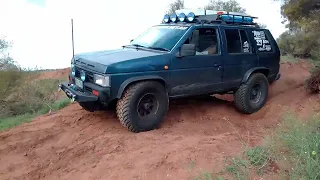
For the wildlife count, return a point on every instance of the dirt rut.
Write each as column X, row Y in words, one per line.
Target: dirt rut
column 196, row 135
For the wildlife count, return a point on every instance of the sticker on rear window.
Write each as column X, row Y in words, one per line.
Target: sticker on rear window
column 261, row 41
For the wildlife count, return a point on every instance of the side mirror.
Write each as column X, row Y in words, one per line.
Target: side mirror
column 131, row 40
column 186, row 50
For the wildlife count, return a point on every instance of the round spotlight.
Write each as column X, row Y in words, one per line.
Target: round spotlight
column 182, row 17
column 73, row 70
column 166, row 18
column 82, row 75
column 191, row 17
column 173, row 18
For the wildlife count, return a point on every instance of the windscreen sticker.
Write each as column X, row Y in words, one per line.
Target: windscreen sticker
column 262, row 43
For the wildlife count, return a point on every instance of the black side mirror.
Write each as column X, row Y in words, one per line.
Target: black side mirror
column 131, row 40
column 186, row 50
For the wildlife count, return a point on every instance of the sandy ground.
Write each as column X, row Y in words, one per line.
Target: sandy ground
column 197, row 135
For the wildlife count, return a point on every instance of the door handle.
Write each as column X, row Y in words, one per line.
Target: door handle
column 216, row 65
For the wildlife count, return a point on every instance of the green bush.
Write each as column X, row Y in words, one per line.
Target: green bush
column 21, row 92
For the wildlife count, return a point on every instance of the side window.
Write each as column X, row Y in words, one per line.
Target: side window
column 206, row 41
column 246, row 48
column 233, row 41
column 262, row 41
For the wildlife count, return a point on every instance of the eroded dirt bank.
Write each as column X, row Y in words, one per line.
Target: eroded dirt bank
column 74, row 144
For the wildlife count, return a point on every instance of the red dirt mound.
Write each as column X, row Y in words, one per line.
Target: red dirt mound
column 196, row 135
column 54, row 74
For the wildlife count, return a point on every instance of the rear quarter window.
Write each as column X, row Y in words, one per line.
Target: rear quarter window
column 263, row 41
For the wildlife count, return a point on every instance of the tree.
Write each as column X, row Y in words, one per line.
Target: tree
column 6, row 62
column 303, row 17
column 9, row 73
column 230, row 5
column 176, row 5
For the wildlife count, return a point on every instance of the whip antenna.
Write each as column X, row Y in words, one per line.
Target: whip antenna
column 72, row 38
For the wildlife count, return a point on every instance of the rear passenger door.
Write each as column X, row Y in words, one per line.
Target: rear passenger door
column 239, row 55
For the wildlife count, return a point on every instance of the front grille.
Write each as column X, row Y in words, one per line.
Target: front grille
column 88, row 89
column 89, row 75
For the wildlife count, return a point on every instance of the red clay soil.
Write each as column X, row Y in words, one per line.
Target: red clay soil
column 54, row 74
column 197, row 135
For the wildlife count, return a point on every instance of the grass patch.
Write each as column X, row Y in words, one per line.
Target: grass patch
column 204, row 176
column 9, row 122
column 292, row 152
column 297, row 148
column 288, row 58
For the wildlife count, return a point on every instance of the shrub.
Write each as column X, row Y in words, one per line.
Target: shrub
column 312, row 84
column 22, row 92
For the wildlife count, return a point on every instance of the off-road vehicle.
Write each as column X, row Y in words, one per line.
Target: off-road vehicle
column 191, row 53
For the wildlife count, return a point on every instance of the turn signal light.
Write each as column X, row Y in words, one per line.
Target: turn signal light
column 94, row 92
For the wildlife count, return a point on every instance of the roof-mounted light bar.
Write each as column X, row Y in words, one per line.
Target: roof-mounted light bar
column 192, row 15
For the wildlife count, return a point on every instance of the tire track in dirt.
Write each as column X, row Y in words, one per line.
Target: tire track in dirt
column 197, row 133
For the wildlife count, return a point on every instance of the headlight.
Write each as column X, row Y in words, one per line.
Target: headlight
column 73, row 70
column 102, row 80
column 73, row 67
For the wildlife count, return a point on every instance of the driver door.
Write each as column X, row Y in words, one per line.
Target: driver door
column 202, row 73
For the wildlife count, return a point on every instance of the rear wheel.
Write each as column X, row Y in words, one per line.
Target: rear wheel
column 143, row 106
column 252, row 95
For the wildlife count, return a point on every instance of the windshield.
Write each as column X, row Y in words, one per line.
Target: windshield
column 160, row 37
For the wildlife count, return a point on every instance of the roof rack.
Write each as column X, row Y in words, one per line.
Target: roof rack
column 204, row 16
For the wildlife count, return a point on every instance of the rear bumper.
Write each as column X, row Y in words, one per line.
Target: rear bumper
column 73, row 93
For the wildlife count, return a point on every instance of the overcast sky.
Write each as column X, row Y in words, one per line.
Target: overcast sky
column 41, row 29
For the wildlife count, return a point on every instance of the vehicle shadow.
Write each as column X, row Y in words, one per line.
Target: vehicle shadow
column 184, row 109
column 197, row 108
column 199, row 101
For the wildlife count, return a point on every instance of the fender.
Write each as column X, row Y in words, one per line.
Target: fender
column 252, row 70
column 138, row 78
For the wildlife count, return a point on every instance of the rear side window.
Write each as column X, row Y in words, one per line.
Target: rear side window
column 233, row 40
column 237, row 41
column 262, row 41
column 246, row 48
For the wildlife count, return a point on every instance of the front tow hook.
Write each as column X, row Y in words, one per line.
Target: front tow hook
column 71, row 96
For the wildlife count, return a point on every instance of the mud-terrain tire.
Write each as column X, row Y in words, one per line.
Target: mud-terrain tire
column 252, row 95
column 143, row 106
column 88, row 106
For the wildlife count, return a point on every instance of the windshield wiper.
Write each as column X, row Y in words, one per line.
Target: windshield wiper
column 159, row 48
column 135, row 45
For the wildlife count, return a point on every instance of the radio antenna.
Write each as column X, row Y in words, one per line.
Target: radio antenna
column 72, row 38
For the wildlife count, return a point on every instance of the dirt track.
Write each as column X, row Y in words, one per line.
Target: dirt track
column 74, row 144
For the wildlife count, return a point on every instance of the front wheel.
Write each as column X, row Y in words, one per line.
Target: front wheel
column 252, row 95
column 143, row 106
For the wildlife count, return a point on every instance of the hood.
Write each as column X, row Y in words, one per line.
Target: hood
column 99, row 60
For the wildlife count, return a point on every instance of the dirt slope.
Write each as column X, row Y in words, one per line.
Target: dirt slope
column 54, row 74
column 196, row 135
